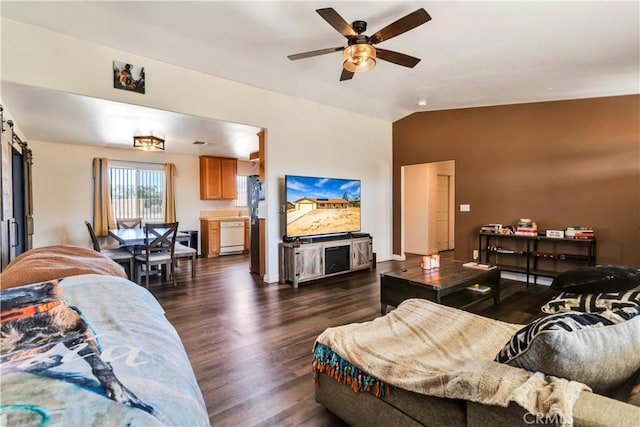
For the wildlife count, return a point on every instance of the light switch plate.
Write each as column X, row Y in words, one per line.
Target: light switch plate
column 465, row 208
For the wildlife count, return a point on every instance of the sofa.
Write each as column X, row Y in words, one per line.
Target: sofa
column 427, row 364
column 84, row 346
column 406, row 408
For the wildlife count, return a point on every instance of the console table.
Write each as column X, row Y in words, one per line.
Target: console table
column 535, row 255
column 315, row 258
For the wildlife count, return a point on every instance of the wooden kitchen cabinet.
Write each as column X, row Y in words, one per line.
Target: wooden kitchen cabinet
column 228, row 176
column 210, row 243
column 218, row 178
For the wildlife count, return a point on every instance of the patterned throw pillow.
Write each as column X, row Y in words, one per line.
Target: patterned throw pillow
column 601, row 350
column 591, row 303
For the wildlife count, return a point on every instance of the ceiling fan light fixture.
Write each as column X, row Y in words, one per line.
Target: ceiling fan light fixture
column 359, row 57
column 149, row 143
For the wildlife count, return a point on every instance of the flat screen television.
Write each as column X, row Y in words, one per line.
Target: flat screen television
column 320, row 206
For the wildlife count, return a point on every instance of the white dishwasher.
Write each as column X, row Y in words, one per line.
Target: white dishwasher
column 231, row 237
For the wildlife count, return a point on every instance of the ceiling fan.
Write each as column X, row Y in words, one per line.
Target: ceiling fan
column 360, row 54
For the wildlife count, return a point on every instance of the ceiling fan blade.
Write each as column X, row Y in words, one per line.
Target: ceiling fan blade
column 397, row 58
column 346, row 75
column 336, row 21
column 314, row 53
column 400, row 26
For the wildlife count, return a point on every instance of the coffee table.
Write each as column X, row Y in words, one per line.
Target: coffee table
column 446, row 285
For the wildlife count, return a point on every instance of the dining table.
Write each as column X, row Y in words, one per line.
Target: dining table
column 136, row 237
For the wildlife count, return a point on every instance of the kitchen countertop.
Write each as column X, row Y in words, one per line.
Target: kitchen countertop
column 224, row 218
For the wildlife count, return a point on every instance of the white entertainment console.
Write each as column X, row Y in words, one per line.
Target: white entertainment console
column 315, row 258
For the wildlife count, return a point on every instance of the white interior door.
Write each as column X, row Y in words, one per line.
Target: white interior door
column 442, row 216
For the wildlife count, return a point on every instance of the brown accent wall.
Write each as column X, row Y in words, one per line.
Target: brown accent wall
column 559, row 163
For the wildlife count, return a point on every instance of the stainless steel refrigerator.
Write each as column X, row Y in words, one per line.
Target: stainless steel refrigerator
column 255, row 193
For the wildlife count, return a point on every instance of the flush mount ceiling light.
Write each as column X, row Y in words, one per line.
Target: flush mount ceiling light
column 148, row 143
column 359, row 57
column 422, row 103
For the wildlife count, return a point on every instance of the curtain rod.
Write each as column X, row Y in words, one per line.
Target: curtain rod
column 135, row 161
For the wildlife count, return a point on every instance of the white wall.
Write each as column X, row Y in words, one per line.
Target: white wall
column 301, row 138
column 57, row 223
column 63, row 188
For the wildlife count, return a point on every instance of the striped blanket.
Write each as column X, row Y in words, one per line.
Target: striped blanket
column 440, row 351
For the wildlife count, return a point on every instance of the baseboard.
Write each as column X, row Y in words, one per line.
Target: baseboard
column 273, row 278
column 395, row 257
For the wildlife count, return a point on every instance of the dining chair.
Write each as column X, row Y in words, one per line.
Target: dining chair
column 129, row 222
column 183, row 251
column 159, row 250
column 125, row 223
column 122, row 256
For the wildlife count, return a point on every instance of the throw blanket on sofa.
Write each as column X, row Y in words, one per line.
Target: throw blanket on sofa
column 137, row 343
column 55, row 262
column 441, row 351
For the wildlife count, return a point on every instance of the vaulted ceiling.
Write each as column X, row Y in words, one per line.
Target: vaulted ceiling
column 473, row 53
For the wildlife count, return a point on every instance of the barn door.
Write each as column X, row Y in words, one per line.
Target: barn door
column 16, row 204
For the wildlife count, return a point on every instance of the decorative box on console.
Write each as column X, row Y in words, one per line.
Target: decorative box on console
column 559, row 234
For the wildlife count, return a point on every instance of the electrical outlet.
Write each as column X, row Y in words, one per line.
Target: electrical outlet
column 475, row 254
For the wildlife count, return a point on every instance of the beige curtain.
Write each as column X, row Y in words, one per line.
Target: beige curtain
column 169, row 193
column 103, row 218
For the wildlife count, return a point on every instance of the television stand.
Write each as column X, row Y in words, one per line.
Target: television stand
column 324, row 256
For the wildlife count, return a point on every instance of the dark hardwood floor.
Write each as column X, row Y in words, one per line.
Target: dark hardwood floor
column 250, row 344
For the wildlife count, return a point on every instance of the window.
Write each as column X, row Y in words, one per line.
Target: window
column 137, row 190
column 241, row 195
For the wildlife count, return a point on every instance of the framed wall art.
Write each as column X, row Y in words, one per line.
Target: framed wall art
column 128, row 77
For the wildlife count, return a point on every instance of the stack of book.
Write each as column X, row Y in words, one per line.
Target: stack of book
column 576, row 232
column 526, row 227
column 479, row 288
column 478, row 265
column 491, row 228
